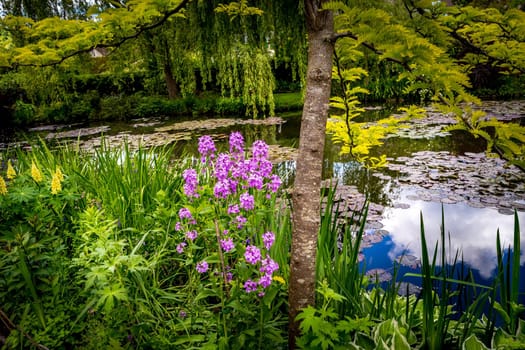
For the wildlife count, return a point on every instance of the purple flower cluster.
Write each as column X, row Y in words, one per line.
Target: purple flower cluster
column 247, row 201
column 206, row 148
column 268, row 239
column 190, row 182
column 227, row 244
column 236, row 143
column 202, row 266
column 184, row 213
column 236, row 185
column 252, row 254
column 191, row 235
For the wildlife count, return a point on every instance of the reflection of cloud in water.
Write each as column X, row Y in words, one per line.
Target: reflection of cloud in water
column 472, row 230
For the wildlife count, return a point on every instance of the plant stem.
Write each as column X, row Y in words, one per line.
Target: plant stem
column 223, row 279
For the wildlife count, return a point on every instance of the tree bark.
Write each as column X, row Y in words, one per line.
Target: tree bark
column 171, row 83
column 306, row 191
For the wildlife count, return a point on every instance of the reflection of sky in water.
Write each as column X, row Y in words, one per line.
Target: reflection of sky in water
column 472, row 230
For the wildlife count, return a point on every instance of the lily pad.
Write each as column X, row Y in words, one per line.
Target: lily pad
column 409, row 261
column 378, row 275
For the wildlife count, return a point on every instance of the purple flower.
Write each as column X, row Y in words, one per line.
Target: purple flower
column 236, row 142
column 233, row 185
column 246, row 200
column 180, row 247
column 223, row 164
column 268, row 239
column 265, row 280
column 227, row 244
column 241, row 220
column 274, row 184
column 241, row 169
column 184, row 213
column 255, row 181
column 265, row 168
column 191, row 182
column 182, row 314
column 178, row 226
column 206, row 148
column 191, row 235
column 252, row 254
column 233, row 209
column 202, row 266
column 221, row 189
column 260, row 150
column 250, row 286
column 229, row 276
column 268, row 266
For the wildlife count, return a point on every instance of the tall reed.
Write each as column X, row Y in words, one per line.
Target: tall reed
column 338, row 250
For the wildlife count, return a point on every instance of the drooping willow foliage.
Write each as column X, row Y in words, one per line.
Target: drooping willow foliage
column 232, row 47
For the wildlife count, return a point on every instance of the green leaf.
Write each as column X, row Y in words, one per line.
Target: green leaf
column 473, row 343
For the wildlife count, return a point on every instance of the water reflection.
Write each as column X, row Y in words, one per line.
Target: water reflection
column 472, row 231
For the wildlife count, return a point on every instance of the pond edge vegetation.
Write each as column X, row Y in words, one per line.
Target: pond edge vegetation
column 126, row 208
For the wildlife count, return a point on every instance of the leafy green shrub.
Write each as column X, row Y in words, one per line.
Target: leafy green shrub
column 291, row 101
column 229, row 106
column 204, row 105
column 58, row 111
column 118, row 107
column 24, row 113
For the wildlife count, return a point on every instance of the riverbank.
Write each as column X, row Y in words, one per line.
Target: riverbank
column 92, row 108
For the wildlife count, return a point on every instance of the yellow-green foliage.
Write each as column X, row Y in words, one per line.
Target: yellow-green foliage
column 419, row 42
column 499, row 37
column 52, row 39
column 426, row 66
column 502, row 138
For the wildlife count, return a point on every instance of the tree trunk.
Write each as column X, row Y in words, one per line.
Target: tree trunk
column 171, row 83
column 306, row 191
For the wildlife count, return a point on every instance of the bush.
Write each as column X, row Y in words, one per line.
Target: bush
column 118, row 107
column 229, row 106
column 23, row 113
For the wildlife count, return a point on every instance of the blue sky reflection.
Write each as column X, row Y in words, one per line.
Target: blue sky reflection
column 472, row 230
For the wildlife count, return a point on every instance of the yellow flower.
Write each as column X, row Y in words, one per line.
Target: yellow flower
column 35, row 172
column 59, row 174
column 278, row 279
column 11, row 173
column 56, row 185
column 3, row 187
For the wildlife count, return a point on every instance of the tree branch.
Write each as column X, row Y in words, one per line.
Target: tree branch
column 369, row 46
column 115, row 44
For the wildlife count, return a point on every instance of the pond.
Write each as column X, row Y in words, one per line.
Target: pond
column 428, row 170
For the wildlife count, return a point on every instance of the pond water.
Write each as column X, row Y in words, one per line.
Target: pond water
column 428, row 170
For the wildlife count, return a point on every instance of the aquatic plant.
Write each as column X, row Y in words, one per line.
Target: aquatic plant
column 348, row 315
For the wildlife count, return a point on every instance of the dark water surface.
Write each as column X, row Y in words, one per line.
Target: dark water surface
column 428, row 170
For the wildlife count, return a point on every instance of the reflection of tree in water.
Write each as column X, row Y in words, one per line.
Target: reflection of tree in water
column 352, row 173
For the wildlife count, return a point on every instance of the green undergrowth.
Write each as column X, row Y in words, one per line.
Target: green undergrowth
column 356, row 312
column 94, row 253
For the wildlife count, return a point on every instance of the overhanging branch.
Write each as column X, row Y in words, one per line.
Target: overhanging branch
column 115, row 44
column 369, row 46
